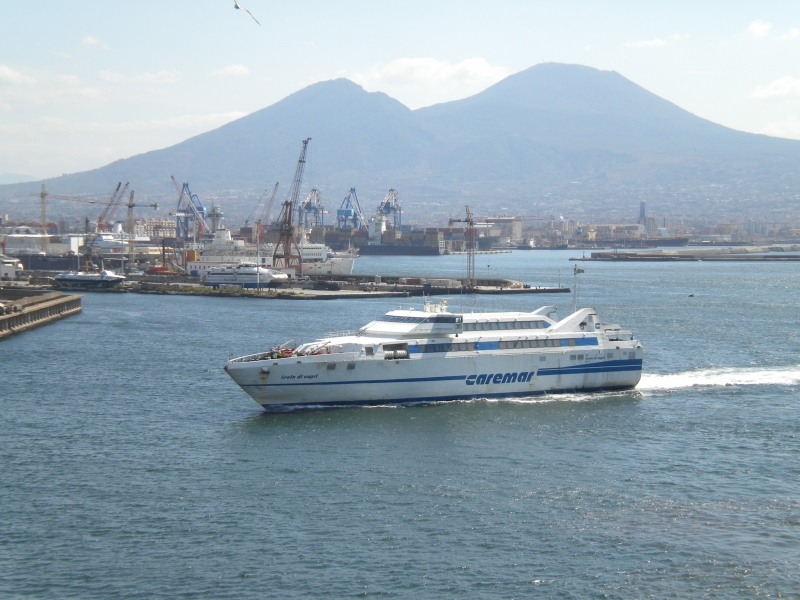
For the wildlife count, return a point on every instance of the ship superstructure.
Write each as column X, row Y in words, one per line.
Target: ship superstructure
column 410, row 356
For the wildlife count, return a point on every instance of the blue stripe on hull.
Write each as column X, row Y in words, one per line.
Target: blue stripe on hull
column 291, row 406
column 604, row 367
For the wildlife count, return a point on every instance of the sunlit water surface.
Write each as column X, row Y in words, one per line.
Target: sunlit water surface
column 132, row 466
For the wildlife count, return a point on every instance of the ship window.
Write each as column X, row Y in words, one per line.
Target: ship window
column 400, row 319
column 572, row 357
column 368, row 350
column 542, row 358
column 572, row 341
column 351, row 366
column 580, row 356
column 610, row 355
column 331, row 366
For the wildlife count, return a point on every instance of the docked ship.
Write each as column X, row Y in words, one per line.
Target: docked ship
column 245, row 275
column 89, row 279
column 410, row 356
column 220, row 250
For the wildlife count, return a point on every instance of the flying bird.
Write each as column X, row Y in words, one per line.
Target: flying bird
column 237, row 7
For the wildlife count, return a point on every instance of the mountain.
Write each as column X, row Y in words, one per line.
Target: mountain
column 551, row 136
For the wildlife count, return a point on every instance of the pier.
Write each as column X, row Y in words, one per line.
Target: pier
column 22, row 309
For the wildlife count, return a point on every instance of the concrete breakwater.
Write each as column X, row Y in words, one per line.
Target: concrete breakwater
column 339, row 292
column 738, row 253
column 22, row 309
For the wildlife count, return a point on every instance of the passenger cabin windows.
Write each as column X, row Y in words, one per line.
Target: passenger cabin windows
column 504, row 325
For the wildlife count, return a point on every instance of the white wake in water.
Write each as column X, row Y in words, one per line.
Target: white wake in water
column 721, row 377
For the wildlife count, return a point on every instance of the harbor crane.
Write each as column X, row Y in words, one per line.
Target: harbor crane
column 264, row 218
column 287, row 253
column 312, row 213
column 107, row 214
column 469, row 240
column 256, row 209
column 350, row 210
column 131, row 206
column 189, row 209
column 391, row 206
column 43, row 195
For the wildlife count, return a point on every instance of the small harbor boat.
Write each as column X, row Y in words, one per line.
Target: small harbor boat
column 245, row 275
column 88, row 279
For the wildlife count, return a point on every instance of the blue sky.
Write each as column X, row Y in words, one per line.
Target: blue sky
column 84, row 83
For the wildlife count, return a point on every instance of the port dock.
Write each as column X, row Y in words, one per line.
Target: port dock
column 22, row 309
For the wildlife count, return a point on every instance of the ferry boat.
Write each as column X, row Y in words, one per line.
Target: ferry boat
column 245, row 275
column 88, row 279
column 410, row 356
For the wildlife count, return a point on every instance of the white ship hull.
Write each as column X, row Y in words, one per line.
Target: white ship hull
column 377, row 381
column 485, row 356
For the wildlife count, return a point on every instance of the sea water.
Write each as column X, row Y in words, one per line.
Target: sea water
column 132, row 466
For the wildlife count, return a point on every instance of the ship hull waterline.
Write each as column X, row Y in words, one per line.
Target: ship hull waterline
column 286, row 385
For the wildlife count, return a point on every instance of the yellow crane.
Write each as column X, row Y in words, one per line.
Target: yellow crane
column 44, row 195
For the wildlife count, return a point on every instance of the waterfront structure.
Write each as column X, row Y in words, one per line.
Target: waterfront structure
column 23, row 309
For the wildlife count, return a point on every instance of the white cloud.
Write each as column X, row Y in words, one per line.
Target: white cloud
column 232, row 70
column 11, row 76
column 111, row 76
column 92, row 42
column 160, row 77
column 788, row 128
column 794, row 32
column 68, row 79
column 646, row 43
column 429, row 72
column 780, row 88
column 758, row 30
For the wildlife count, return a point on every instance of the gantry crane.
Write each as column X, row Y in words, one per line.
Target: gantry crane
column 287, row 253
column 311, row 209
column 469, row 240
column 391, row 206
column 189, row 208
column 351, row 210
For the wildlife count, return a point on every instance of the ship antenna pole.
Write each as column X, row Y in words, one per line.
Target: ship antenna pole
column 575, row 290
column 258, row 258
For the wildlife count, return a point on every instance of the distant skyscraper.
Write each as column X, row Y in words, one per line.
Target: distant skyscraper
column 642, row 213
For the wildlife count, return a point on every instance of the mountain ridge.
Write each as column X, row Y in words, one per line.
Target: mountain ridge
column 523, row 140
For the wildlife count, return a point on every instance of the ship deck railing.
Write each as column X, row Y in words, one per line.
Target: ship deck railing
column 341, row 333
column 268, row 355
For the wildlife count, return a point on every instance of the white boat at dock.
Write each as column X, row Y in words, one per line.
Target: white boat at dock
column 245, row 275
column 89, row 279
